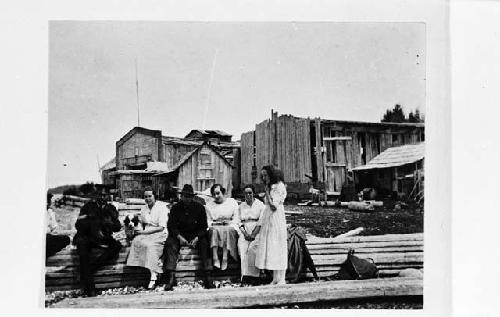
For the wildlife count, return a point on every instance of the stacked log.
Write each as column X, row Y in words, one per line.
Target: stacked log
column 262, row 296
column 391, row 253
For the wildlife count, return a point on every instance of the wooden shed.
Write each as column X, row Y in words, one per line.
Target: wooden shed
column 202, row 167
column 397, row 169
column 142, row 152
column 318, row 151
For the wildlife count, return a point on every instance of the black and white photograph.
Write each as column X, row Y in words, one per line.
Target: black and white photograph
column 246, row 157
column 235, row 165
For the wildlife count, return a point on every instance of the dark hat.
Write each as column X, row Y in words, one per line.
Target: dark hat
column 187, row 190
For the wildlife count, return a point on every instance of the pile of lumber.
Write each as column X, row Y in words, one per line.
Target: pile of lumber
column 262, row 296
column 391, row 253
column 62, row 271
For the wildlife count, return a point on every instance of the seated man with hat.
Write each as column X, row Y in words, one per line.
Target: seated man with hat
column 187, row 226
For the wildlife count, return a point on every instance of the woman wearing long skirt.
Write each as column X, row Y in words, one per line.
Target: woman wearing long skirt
column 272, row 245
column 222, row 219
column 147, row 246
column 250, row 212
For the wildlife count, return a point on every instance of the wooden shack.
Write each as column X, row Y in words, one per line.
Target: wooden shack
column 318, row 151
column 398, row 169
column 142, row 153
column 202, row 167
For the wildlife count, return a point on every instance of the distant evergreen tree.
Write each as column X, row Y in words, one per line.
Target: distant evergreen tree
column 397, row 115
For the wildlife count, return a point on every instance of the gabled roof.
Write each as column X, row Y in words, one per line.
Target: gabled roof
column 396, row 156
column 129, row 134
column 189, row 154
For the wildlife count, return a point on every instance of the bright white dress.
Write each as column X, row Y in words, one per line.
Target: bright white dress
column 147, row 249
column 272, row 245
column 249, row 218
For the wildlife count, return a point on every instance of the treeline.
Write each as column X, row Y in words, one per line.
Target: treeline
column 398, row 115
column 84, row 190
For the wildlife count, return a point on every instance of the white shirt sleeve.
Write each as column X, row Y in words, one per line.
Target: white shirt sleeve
column 163, row 216
column 235, row 219
column 210, row 219
column 278, row 194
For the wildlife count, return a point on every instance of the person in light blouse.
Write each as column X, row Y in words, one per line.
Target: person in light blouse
column 222, row 219
column 250, row 211
column 147, row 246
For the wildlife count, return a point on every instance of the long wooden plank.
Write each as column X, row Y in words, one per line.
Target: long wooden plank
column 386, row 237
column 194, row 265
column 256, row 296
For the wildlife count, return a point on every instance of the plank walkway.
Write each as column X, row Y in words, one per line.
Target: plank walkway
column 248, row 297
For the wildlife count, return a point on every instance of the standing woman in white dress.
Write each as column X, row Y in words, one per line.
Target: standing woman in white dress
column 272, row 246
column 250, row 212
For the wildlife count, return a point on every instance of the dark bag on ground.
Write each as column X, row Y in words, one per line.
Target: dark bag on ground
column 299, row 258
column 355, row 268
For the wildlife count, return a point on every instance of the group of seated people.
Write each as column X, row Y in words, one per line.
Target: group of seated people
column 253, row 232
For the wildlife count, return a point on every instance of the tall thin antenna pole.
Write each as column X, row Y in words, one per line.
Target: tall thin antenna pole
column 209, row 90
column 98, row 166
column 137, row 92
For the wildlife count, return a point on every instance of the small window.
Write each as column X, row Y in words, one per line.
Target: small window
column 136, row 151
column 205, row 158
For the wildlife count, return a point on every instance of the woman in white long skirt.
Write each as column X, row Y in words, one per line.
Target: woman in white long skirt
column 147, row 246
column 250, row 212
column 272, row 245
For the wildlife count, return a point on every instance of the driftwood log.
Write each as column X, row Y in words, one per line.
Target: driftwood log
column 261, row 296
column 391, row 253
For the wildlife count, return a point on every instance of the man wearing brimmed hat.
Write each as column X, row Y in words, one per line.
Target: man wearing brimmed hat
column 187, row 226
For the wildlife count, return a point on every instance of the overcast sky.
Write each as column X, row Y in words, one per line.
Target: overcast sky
column 225, row 76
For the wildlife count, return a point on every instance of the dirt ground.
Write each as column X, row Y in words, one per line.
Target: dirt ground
column 329, row 222
column 323, row 222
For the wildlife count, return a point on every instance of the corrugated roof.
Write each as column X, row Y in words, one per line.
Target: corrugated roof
column 396, row 156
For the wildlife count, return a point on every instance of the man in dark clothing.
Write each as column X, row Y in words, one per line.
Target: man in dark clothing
column 187, row 226
column 95, row 225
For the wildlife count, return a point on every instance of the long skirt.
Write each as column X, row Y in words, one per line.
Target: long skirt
column 272, row 249
column 247, row 251
column 146, row 250
column 226, row 238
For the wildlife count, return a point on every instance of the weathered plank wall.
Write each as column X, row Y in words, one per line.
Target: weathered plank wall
column 247, row 157
column 140, row 144
column 203, row 176
column 174, row 152
column 284, row 142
